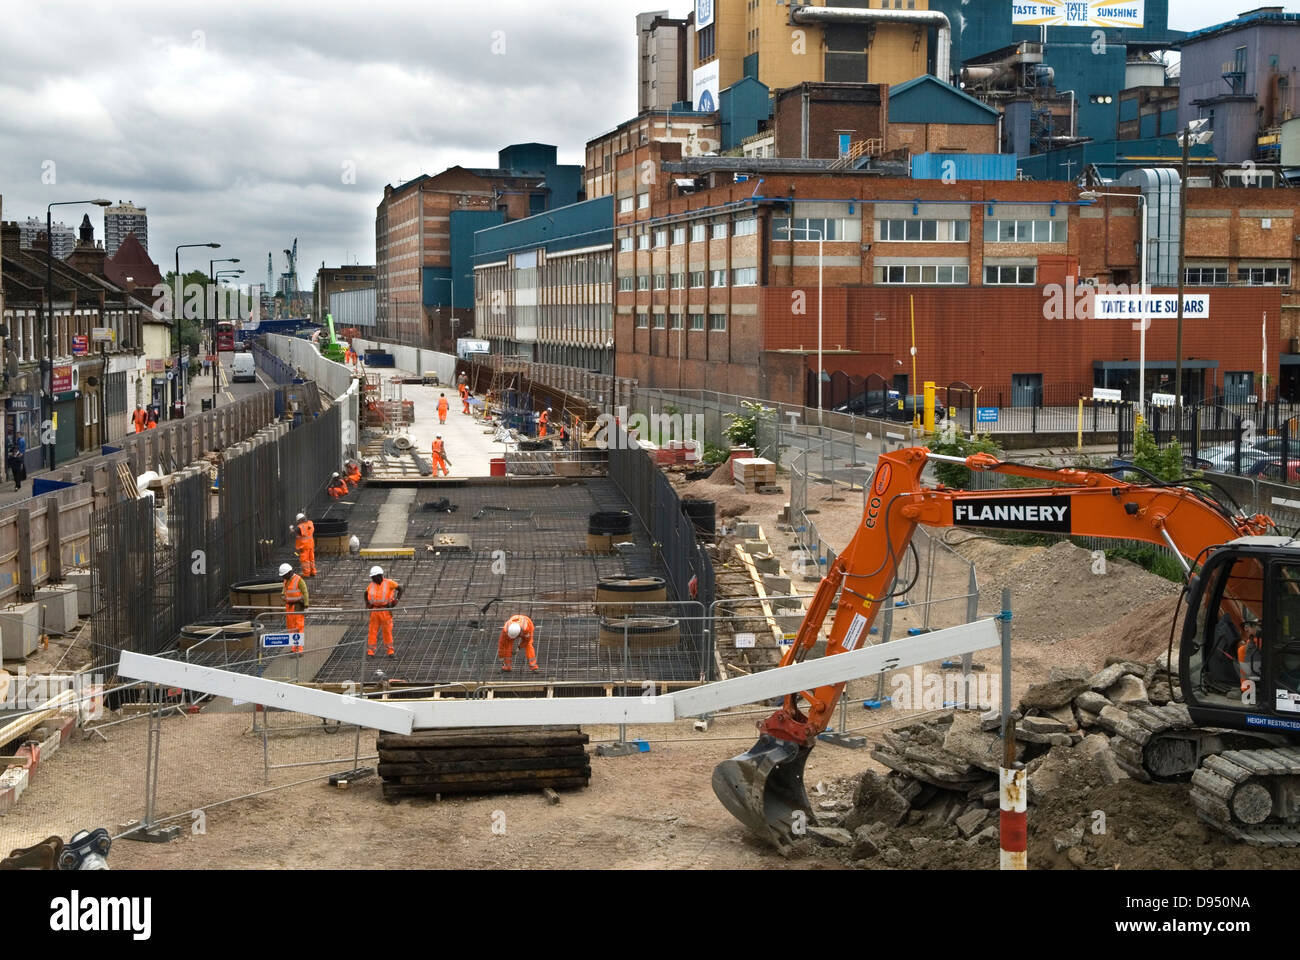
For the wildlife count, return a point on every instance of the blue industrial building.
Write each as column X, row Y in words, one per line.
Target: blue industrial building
column 1093, row 64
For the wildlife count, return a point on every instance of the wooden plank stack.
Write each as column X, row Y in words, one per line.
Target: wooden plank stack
column 750, row 473
column 483, row 760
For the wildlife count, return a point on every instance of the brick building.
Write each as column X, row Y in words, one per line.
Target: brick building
column 424, row 238
column 95, row 386
column 695, row 132
column 718, row 281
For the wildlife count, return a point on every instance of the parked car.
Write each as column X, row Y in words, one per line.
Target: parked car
column 889, row 406
column 1271, row 469
column 1224, row 459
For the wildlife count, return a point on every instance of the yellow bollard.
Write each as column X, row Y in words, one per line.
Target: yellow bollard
column 1081, row 423
column 929, row 406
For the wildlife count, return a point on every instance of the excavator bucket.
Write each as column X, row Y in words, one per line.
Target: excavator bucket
column 763, row 789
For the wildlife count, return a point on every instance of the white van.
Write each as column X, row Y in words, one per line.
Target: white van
column 243, row 369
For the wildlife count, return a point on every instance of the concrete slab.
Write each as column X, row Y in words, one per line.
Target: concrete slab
column 394, row 518
column 468, row 445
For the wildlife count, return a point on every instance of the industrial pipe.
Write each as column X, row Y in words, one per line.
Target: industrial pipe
column 926, row 18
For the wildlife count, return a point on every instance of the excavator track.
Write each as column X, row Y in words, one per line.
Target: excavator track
column 1156, row 743
column 1234, row 792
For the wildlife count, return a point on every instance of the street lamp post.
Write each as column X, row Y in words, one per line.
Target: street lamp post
column 820, row 247
column 215, row 352
column 47, row 393
column 180, row 291
column 450, row 281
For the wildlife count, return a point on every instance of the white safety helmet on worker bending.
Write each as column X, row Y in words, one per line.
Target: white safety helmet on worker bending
column 301, row 516
column 336, row 476
column 285, row 569
column 513, row 631
column 376, row 571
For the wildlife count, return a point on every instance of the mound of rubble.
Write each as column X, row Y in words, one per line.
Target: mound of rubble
column 937, row 807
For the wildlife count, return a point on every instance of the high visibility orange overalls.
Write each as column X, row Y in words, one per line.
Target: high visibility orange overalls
column 293, row 588
column 338, row 488
column 1248, row 661
column 442, row 409
column 305, row 544
column 379, row 595
column 140, row 418
column 542, row 421
column 464, row 398
column 354, row 475
column 153, row 424
column 505, row 645
column 438, row 460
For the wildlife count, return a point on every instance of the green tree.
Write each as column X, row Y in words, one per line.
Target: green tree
column 187, row 332
column 1166, row 463
column 953, row 442
column 743, row 429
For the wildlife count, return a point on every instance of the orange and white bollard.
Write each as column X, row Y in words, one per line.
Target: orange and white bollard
column 1013, row 818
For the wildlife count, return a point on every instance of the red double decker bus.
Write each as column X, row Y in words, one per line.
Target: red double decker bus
column 225, row 335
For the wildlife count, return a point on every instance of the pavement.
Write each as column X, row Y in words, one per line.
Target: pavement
column 200, row 388
column 468, row 439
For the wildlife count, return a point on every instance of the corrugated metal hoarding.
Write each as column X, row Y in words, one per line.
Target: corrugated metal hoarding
column 353, row 308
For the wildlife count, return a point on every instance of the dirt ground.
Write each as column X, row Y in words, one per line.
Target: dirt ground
column 654, row 809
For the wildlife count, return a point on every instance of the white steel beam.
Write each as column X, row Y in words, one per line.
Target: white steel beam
column 536, row 711
column 903, row 652
column 270, row 693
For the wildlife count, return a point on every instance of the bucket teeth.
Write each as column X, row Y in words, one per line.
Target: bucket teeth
column 763, row 789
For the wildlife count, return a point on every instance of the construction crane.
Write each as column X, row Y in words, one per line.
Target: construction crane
column 1235, row 734
column 270, row 275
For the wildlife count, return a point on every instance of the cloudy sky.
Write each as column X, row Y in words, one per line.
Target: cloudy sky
column 250, row 124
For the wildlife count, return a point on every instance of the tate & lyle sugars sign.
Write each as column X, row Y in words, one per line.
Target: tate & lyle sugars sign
column 1079, row 13
column 1155, row 307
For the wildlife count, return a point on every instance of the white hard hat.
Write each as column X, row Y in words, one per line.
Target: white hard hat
column 376, row 571
column 336, row 474
column 285, row 569
column 439, row 436
column 301, row 516
column 513, row 630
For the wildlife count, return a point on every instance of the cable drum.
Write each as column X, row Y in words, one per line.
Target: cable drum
column 617, row 596
column 260, row 592
column 642, row 632
column 216, row 634
column 610, row 523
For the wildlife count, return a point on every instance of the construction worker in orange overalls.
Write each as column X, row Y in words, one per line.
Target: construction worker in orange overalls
column 353, row 476
column 1248, row 653
column 295, row 601
column 542, row 421
column 517, row 628
column 381, row 595
column 304, row 543
column 439, row 456
column 153, row 420
column 464, row 399
column 139, row 418
column 338, row 487
column 442, row 408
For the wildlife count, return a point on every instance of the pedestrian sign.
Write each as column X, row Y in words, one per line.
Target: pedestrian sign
column 271, row 640
column 986, row 414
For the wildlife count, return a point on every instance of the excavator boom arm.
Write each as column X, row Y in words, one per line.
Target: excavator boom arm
column 768, row 778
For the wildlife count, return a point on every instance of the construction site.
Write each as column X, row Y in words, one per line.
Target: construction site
column 925, row 688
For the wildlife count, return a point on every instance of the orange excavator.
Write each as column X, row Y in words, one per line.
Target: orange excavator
column 1235, row 731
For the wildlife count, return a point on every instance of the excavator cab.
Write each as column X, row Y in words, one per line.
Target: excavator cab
column 1239, row 661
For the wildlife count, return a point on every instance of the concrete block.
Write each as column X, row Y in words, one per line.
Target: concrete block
column 766, row 563
column 753, row 546
column 747, row 531
column 60, row 605
column 19, row 630
column 14, row 779
column 775, row 584
column 81, row 581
